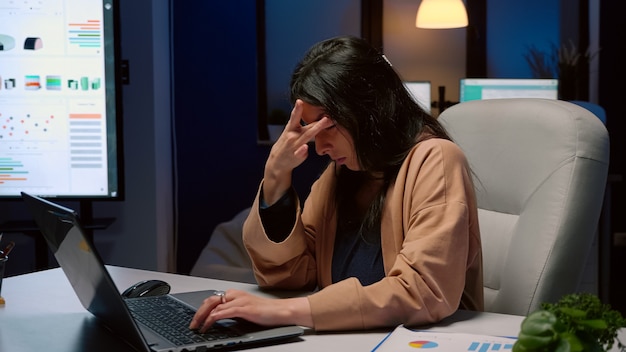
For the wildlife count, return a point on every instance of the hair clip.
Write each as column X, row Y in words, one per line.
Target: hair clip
column 386, row 59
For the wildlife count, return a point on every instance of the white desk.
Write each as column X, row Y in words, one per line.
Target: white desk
column 42, row 313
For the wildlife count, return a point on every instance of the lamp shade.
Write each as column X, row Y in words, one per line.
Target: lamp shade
column 441, row 14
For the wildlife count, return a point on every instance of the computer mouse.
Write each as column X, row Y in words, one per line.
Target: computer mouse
column 147, row 288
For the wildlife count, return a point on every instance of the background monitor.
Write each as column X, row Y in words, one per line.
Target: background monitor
column 421, row 92
column 498, row 88
column 60, row 99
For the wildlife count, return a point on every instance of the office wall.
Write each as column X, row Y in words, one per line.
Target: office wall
column 438, row 55
column 292, row 27
column 435, row 55
column 141, row 236
column 613, row 71
column 219, row 161
column 215, row 153
column 514, row 26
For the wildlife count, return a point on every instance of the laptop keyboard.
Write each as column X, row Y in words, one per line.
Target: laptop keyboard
column 170, row 318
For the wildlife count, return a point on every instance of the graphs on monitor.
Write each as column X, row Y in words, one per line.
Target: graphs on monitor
column 60, row 114
column 421, row 92
column 498, row 88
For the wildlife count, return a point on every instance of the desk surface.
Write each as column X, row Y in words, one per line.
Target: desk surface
column 43, row 313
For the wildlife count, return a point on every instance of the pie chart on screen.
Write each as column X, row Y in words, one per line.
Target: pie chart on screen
column 423, row 344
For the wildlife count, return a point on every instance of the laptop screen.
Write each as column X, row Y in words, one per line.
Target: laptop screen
column 83, row 267
column 421, row 93
column 98, row 293
column 498, row 88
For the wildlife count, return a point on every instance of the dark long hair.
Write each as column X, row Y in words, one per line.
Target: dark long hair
column 360, row 90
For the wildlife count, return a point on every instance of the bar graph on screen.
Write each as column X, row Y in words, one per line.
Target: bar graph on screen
column 85, row 34
column 11, row 171
column 60, row 99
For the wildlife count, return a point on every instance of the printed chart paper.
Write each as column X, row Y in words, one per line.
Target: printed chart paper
column 406, row 340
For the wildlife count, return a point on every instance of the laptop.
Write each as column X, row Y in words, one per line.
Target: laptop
column 98, row 293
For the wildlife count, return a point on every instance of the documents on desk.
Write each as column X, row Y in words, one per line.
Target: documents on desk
column 403, row 339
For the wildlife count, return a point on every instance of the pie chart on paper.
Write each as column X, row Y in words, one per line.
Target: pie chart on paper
column 423, row 344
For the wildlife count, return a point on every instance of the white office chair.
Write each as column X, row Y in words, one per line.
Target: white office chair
column 224, row 257
column 596, row 109
column 540, row 170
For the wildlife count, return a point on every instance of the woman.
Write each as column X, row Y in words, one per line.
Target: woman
column 389, row 232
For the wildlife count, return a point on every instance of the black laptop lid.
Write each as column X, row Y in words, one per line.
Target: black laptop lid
column 84, row 268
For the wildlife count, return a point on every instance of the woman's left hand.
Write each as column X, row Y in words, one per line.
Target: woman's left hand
column 259, row 310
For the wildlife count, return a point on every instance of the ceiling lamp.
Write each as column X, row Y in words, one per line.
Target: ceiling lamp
column 438, row 14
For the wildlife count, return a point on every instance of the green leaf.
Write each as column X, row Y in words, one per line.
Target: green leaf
column 564, row 346
column 533, row 342
column 539, row 323
column 598, row 324
column 584, row 316
column 574, row 313
column 519, row 347
column 572, row 341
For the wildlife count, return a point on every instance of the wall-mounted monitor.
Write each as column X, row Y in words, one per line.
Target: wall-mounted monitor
column 60, row 99
column 498, row 88
column 421, row 93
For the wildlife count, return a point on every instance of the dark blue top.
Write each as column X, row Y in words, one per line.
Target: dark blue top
column 357, row 252
column 358, row 255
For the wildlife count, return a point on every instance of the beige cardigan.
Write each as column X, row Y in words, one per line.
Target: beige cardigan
column 430, row 245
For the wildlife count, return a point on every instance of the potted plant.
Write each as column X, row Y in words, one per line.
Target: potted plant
column 577, row 322
column 567, row 63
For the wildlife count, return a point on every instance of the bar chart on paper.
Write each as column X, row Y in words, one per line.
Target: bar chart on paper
column 403, row 339
column 487, row 346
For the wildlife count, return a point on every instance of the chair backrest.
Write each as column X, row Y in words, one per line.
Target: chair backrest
column 594, row 108
column 224, row 257
column 540, row 169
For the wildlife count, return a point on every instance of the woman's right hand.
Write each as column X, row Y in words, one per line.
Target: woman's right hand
column 288, row 152
column 259, row 310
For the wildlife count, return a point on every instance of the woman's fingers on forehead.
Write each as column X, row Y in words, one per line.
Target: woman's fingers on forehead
column 303, row 123
column 296, row 114
column 315, row 127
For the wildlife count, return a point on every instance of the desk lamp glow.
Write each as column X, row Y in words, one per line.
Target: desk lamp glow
column 439, row 14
